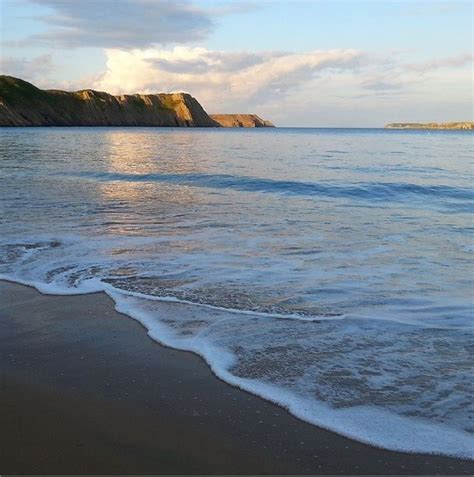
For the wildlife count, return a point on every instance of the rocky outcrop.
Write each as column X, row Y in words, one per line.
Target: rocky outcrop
column 459, row 125
column 241, row 121
column 22, row 104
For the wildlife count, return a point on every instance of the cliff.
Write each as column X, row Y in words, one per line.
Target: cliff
column 22, row 104
column 241, row 121
column 459, row 125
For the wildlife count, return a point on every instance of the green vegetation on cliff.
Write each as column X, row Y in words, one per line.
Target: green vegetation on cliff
column 22, row 104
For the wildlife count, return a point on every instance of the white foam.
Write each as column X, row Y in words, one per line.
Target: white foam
column 367, row 424
column 93, row 285
column 172, row 299
column 372, row 424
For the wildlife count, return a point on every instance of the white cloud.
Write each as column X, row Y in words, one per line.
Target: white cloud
column 292, row 88
column 221, row 81
column 456, row 61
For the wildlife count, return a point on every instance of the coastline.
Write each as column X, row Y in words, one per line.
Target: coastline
column 84, row 390
column 448, row 126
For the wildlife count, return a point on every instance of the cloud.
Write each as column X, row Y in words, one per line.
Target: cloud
column 209, row 61
column 396, row 77
column 32, row 69
column 123, row 24
column 457, row 61
column 382, row 84
column 273, row 83
column 386, row 82
column 221, row 80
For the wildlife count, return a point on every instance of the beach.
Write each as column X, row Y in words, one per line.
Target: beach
column 236, row 238
column 85, row 391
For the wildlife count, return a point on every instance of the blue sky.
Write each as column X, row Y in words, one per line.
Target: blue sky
column 301, row 63
column 375, row 25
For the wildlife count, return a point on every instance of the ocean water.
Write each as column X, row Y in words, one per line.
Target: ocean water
column 327, row 270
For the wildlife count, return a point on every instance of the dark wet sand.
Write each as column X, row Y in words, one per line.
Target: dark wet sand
column 85, row 391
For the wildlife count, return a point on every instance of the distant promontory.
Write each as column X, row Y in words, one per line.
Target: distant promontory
column 23, row 104
column 241, row 121
column 458, row 125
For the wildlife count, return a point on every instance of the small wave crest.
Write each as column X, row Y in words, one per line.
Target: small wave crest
column 372, row 380
column 455, row 198
column 333, row 379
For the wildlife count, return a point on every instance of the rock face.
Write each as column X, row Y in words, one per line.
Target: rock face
column 460, row 125
column 241, row 121
column 22, row 104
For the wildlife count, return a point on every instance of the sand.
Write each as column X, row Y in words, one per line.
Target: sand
column 84, row 390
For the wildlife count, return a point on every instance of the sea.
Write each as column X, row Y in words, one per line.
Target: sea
column 327, row 270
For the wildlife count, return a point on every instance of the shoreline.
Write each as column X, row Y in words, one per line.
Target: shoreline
column 87, row 391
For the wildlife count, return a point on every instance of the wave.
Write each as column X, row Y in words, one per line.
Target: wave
column 70, row 264
column 348, row 374
column 366, row 423
column 369, row 191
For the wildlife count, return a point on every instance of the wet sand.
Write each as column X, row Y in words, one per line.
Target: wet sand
column 85, row 391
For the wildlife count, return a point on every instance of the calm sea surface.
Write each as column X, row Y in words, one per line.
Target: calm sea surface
column 328, row 270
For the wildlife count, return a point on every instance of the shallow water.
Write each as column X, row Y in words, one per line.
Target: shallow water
column 327, row 270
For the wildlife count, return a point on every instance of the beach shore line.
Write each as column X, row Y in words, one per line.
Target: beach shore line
column 85, row 391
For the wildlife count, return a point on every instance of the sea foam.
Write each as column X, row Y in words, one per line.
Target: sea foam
column 199, row 329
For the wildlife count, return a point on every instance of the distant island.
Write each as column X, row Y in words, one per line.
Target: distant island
column 23, row 104
column 458, row 125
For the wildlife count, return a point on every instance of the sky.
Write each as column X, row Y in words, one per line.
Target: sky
column 297, row 63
